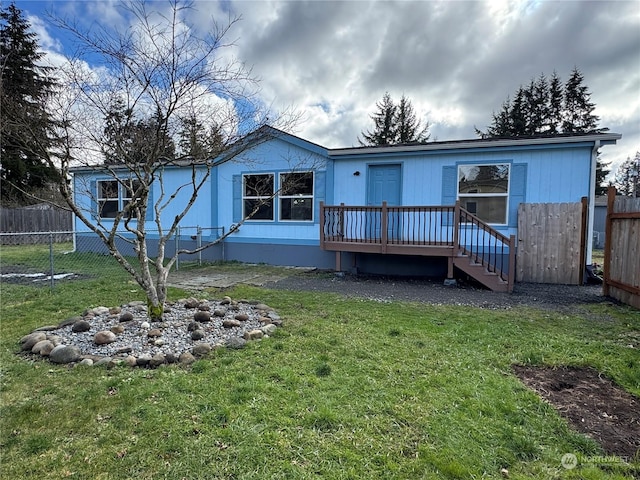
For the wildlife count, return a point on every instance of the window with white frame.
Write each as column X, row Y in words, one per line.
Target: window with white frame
column 484, row 191
column 113, row 196
column 296, row 196
column 257, row 195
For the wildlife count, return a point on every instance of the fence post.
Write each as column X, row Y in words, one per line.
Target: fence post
column 51, row 266
column 177, row 242
column 199, row 244
column 611, row 198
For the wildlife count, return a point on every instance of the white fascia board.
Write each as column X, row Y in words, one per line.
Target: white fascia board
column 460, row 145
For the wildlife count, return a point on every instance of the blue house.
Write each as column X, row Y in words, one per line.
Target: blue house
column 441, row 208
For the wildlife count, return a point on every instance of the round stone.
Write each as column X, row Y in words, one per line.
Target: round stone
column 126, row 317
column 197, row 334
column 154, row 332
column 104, row 337
column 201, row 349
column 117, row 329
column 193, row 326
column 28, row 341
column 81, row 326
column 202, row 316
column 231, row 323
column 65, row 354
column 43, row 347
column 220, row 312
column 243, row 317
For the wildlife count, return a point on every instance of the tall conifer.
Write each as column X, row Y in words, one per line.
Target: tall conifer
column 26, row 86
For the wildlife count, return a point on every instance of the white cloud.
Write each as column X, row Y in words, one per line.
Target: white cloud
column 457, row 61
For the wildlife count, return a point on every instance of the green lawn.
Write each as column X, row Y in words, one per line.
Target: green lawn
column 347, row 389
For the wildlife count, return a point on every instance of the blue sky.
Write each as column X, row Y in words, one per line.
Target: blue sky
column 457, row 61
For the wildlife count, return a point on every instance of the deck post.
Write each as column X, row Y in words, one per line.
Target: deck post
column 512, row 262
column 338, row 261
column 341, row 221
column 456, row 227
column 606, row 268
column 383, row 226
column 321, row 222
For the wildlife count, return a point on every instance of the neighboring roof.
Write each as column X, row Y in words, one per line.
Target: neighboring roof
column 499, row 142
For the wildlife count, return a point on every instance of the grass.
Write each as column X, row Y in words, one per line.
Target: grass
column 348, row 389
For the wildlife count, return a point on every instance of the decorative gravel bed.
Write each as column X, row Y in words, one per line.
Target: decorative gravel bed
column 189, row 328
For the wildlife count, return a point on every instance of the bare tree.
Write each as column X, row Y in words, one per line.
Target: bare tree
column 158, row 70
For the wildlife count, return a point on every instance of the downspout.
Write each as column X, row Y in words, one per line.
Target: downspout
column 592, row 201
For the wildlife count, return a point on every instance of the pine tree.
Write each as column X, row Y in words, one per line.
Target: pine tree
column 395, row 124
column 627, row 179
column 578, row 109
column 196, row 141
column 133, row 141
column 25, row 89
column 554, row 118
column 384, row 132
column 408, row 126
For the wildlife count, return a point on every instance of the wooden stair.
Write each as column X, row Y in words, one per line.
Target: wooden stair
column 481, row 274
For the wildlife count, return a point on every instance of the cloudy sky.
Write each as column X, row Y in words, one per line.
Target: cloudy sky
column 456, row 61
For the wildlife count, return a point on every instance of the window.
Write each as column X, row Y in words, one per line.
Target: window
column 291, row 193
column 484, row 191
column 113, row 196
column 257, row 194
column 296, row 196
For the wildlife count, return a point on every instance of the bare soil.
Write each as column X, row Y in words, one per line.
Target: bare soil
column 593, row 404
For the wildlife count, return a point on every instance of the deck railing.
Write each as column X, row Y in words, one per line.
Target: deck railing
column 385, row 225
column 443, row 230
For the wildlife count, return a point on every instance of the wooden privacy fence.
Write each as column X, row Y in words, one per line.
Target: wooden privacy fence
column 34, row 220
column 552, row 242
column 622, row 249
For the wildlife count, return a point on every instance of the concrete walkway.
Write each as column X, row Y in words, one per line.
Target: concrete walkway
column 213, row 277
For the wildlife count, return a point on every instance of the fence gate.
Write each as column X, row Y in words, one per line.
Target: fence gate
column 622, row 249
column 552, row 242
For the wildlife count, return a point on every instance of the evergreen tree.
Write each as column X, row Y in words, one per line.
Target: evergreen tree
column 627, row 179
column 539, row 109
column 133, row 141
column 384, row 132
column 25, row 89
column 198, row 142
column 554, row 117
column 578, row 109
column 408, row 129
column 395, row 124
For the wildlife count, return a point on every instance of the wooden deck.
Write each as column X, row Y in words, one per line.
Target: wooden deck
column 467, row 242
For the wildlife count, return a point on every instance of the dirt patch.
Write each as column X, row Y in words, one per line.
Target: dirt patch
column 593, row 404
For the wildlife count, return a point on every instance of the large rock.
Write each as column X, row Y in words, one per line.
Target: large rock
column 253, row 335
column 220, row 312
column 269, row 329
column 126, row 317
column 201, row 349
column 202, row 316
column 231, row 323
column 43, row 347
column 81, row 326
column 235, row 343
column 157, row 360
column 65, row 354
column 197, row 334
column 243, row 317
column 104, row 337
column 186, row 358
column 100, row 311
column 28, row 341
column 191, row 302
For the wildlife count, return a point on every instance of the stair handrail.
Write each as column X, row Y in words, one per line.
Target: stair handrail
column 480, row 225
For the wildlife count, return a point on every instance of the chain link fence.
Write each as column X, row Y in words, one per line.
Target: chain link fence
column 43, row 259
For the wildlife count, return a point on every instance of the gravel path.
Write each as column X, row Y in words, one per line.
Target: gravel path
column 388, row 289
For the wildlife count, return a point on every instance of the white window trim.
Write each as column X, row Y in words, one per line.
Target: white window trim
column 488, row 195
column 123, row 196
column 247, row 197
column 311, row 196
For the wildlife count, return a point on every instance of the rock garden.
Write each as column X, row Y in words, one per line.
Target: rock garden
column 190, row 328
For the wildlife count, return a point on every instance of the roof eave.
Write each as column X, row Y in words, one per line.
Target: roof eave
column 516, row 142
